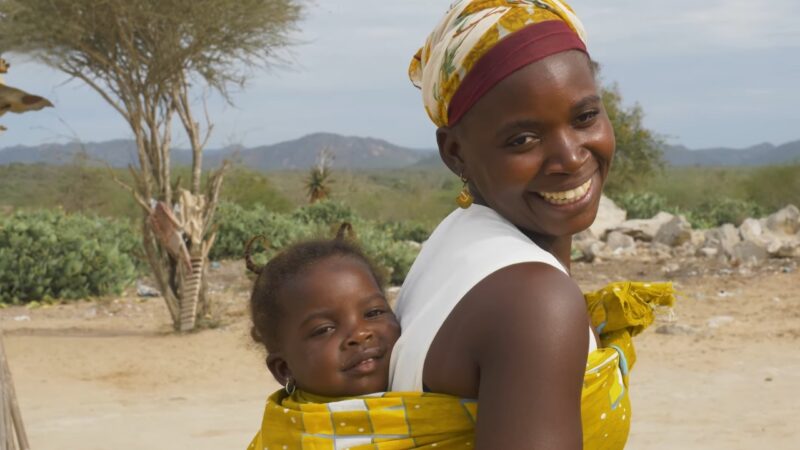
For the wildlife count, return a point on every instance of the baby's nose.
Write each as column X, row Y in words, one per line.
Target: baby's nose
column 360, row 337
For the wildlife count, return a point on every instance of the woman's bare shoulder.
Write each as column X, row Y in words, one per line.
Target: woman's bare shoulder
column 536, row 295
column 531, row 348
column 531, row 308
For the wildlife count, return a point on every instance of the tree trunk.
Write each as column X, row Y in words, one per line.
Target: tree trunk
column 190, row 293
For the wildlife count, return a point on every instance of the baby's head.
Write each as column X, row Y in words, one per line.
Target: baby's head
column 319, row 309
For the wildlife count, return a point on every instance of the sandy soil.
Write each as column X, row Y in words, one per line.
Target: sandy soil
column 723, row 373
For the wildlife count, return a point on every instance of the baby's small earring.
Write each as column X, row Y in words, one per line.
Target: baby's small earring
column 290, row 386
column 464, row 199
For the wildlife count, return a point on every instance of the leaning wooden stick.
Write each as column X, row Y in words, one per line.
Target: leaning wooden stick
column 10, row 405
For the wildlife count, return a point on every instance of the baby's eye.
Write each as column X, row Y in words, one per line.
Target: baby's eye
column 322, row 330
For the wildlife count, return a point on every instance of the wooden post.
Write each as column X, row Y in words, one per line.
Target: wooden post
column 5, row 430
column 10, row 415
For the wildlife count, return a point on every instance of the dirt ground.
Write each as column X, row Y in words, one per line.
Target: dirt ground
column 721, row 373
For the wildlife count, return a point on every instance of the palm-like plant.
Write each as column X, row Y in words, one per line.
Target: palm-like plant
column 319, row 178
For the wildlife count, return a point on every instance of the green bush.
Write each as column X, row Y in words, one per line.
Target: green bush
column 407, row 231
column 236, row 225
column 718, row 211
column 384, row 243
column 394, row 257
column 326, row 212
column 641, row 205
column 50, row 254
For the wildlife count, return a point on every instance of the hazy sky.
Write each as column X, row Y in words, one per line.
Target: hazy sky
column 711, row 73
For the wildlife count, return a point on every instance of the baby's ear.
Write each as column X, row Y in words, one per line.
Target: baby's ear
column 279, row 368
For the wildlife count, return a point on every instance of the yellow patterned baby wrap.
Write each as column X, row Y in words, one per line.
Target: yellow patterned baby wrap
column 469, row 29
column 412, row 420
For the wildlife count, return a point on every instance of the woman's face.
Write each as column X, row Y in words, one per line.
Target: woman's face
column 537, row 147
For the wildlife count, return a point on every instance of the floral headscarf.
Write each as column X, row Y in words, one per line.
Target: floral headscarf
column 480, row 42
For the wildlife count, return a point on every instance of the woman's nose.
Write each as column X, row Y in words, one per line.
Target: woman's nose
column 565, row 154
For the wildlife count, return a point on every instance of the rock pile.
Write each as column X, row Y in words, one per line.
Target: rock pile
column 666, row 235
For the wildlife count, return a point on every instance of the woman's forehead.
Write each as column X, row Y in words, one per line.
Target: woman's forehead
column 554, row 85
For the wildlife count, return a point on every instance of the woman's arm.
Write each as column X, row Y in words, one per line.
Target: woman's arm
column 530, row 342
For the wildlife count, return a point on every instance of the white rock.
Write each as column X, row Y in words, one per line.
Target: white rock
column 750, row 253
column 750, row 230
column 644, row 229
column 618, row 241
column 609, row 216
column 674, row 232
column 786, row 221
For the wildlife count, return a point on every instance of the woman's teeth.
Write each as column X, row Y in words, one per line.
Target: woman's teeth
column 567, row 197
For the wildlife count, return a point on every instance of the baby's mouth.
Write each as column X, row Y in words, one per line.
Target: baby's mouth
column 567, row 197
column 366, row 361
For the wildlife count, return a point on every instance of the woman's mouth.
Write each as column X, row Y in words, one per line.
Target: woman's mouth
column 567, row 197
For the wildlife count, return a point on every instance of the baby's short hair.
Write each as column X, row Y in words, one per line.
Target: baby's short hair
column 265, row 306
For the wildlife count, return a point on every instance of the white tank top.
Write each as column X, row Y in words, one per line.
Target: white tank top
column 469, row 245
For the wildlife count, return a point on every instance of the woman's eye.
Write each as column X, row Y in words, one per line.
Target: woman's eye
column 587, row 117
column 521, row 140
column 375, row 313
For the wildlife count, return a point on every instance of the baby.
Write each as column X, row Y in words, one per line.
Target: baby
column 319, row 309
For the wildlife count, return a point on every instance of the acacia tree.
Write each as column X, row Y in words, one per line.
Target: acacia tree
column 639, row 152
column 147, row 59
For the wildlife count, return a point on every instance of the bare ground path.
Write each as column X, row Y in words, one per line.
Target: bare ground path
column 110, row 374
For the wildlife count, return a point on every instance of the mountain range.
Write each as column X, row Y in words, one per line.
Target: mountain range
column 351, row 152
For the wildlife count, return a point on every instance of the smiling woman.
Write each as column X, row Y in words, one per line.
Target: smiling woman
column 489, row 310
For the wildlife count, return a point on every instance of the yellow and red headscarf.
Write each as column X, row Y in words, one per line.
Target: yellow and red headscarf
column 478, row 43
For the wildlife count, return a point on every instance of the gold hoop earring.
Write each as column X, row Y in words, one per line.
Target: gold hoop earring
column 464, row 199
column 290, row 387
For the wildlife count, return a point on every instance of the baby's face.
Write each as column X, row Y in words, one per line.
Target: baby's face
column 337, row 331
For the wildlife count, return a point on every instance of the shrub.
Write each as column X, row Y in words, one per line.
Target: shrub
column 391, row 256
column 407, row 231
column 50, row 254
column 384, row 243
column 715, row 212
column 236, row 225
column 326, row 212
column 641, row 205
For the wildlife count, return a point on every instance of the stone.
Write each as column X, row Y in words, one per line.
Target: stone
column 698, row 238
column 786, row 221
column 617, row 241
column 723, row 239
column 674, row 232
column 776, row 243
column 750, row 253
column 660, row 251
column 592, row 250
column 644, row 229
column 708, row 252
column 750, row 230
column 609, row 216
column 145, row 291
column 670, row 268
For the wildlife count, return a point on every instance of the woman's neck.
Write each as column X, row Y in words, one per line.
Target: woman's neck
column 560, row 247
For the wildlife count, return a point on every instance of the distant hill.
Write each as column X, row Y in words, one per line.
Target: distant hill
column 349, row 153
column 352, row 153
column 757, row 155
